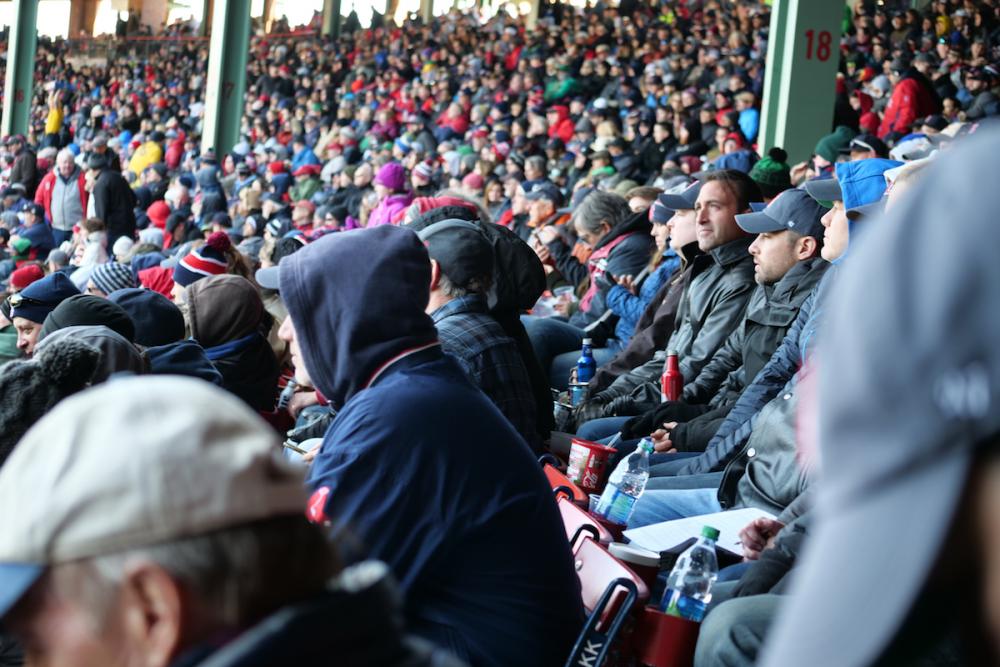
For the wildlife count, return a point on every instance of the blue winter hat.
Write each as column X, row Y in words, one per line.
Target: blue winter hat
column 157, row 320
column 863, row 181
column 41, row 297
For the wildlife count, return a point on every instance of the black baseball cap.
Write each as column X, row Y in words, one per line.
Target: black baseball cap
column 792, row 209
column 868, row 142
column 461, row 249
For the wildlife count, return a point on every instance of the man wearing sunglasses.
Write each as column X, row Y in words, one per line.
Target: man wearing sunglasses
column 32, row 305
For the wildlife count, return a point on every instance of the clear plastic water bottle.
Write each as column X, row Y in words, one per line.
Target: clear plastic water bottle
column 689, row 588
column 626, row 484
column 586, row 368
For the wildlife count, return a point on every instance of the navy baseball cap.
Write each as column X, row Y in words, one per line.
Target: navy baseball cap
column 548, row 191
column 792, row 209
column 683, row 201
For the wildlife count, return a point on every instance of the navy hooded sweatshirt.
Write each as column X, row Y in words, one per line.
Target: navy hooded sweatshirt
column 420, row 465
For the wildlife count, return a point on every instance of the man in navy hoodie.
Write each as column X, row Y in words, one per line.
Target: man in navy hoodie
column 418, row 463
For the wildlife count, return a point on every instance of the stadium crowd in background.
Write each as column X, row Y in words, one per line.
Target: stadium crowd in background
column 395, row 267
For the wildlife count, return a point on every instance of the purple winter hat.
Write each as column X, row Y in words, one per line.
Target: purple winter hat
column 392, row 176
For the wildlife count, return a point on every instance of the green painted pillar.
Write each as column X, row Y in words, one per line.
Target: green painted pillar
column 331, row 18
column 20, row 68
column 799, row 89
column 227, row 74
column 427, row 11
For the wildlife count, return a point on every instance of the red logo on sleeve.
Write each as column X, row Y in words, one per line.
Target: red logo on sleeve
column 316, row 507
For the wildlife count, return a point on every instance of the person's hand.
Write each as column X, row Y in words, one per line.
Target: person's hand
column 759, row 535
column 628, row 282
column 799, row 172
column 563, row 307
column 300, row 400
column 548, row 234
column 543, row 253
column 661, row 438
column 310, row 456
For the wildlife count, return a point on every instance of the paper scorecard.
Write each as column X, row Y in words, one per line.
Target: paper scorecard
column 662, row 536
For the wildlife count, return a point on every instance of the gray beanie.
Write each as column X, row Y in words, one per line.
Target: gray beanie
column 29, row 388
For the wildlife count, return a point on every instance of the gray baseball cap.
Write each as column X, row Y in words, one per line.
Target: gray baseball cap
column 683, row 201
column 175, row 457
column 909, row 374
column 792, row 209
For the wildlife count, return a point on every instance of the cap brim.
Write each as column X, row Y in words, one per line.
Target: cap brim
column 268, row 278
column 865, row 565
column 676, row 202
column 15, row 580
column 758, row 223
column 825, row 189
column 866, row 211
column 757, row 206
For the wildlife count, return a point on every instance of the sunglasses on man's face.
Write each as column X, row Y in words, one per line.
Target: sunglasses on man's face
column 18, row 300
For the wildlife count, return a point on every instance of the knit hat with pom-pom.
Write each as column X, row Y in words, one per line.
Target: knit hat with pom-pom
column 30, row 388
column 772, row 173
column 208, row 260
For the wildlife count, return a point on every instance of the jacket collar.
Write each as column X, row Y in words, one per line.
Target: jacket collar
column 472, row 303
column 733, row 252
column 801, row 277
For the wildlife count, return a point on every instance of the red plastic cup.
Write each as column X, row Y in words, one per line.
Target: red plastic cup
column 587, row 461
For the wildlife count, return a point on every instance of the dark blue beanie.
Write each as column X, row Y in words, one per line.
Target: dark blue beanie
column 41, row 297
column 157, row 320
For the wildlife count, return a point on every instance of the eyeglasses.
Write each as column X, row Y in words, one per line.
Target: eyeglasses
column 18, row 300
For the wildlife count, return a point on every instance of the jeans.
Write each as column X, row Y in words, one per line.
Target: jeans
column 733, row 633
column 601, row 429
column 655, row 505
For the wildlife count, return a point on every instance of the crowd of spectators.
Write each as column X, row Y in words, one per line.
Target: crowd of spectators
column 394, row 270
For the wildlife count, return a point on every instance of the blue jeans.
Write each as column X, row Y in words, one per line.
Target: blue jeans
column 601, row 429
column 655, row 506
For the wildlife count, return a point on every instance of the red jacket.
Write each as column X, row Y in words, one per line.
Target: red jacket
column 909, row 101
column 43, row 195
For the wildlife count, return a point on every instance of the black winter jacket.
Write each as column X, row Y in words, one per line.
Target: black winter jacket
column 711, row 308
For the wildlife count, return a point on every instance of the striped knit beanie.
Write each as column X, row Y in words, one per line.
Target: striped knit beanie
column 112, row 276
column 208, row 260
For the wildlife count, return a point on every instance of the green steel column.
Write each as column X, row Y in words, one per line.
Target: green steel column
column 227, row 74
column 427, row 11
column 331, row 18
column 20, row 68
column 799, row 89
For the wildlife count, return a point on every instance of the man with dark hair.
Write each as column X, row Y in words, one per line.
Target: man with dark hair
column 112, row 199
column 714, row 301
column 462, row 267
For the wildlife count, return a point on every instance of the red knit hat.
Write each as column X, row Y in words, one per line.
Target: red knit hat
column 26, row 275
column 158, row 212
column 276, row 167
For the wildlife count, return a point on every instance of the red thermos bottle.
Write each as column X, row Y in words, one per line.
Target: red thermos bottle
column 672, row 382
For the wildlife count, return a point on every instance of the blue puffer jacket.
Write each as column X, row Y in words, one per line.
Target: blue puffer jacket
column 630, row 307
